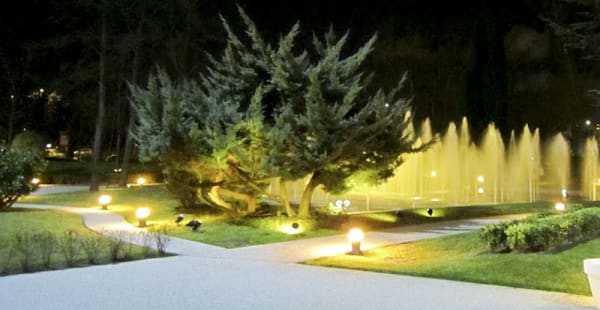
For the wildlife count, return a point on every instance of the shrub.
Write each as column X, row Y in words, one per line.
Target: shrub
column 161, row 239
column 590, row 222
column 17, row 169
column 25, row 248
column 542, row 233
column 495, row 236
column 183, row 185
column 92, row 246
column 128, row 239
column 146, row 243
column 69, row 245
column 47, row 244
column 115, row 245
column 28, row 141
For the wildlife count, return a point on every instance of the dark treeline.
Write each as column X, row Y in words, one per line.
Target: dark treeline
column 494, row 61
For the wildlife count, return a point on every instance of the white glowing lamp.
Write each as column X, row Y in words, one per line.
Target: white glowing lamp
column 433, row 173
column 104, row 200
column 356, row 236
column 480, row 179
column 480, row 190
column 35, row 181
column 142, row 215
column 560, row 206
column 141, row 181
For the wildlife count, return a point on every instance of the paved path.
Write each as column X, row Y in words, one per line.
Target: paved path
column 260, row 277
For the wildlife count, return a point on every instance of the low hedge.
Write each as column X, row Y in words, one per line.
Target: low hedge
column 543, row 232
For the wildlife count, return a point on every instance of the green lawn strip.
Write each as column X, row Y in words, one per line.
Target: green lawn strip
column 216, row 229
column 230, row 232
column 464, row 257
column 15, row 221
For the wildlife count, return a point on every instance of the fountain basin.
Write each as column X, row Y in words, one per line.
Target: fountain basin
column 592, row 268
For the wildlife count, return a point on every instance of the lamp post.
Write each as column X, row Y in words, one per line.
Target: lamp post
column 142, row 215
column 104, row 200
column 355, row 236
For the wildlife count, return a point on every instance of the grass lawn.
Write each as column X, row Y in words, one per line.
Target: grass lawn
column 230, row 232
column 216, row 229
column 464, row 257
column 17, row 222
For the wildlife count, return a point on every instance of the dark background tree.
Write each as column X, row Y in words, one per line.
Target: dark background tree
column 494, row 61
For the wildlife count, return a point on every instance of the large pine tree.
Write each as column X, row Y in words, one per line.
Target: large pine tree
column 263, row 112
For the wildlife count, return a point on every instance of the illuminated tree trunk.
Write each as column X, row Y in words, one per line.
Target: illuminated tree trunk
column 285, row 201
column 304, row 208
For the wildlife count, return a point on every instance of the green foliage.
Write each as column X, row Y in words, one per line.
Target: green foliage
column 183, row 185
column 28, row 141
column 70, row 245
column 47, row 244
column 16, row 171
column 24, row 246
column 495, row 236
column 266, row 111
column 544, row 231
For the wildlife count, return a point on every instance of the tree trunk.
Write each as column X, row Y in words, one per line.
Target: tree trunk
column 215, row 197
column 285, row 201
column 127, row 152
column 94, row 182
column 304, row 208
column 250, row 200
column 251, row 204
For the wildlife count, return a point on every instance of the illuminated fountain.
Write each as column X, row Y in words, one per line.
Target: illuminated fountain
column 589, row 170
column 456, row 171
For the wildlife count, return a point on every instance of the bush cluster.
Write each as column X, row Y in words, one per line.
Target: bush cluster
column 544, row 231
column 16, row 171
column 42, row 250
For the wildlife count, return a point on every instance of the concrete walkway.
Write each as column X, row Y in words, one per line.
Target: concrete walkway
column 260, row 277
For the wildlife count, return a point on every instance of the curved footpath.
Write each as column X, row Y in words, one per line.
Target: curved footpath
column 260, row 277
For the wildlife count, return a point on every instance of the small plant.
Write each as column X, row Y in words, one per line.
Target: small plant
column 160, row 237
column 69, row 245
column 24, row 246
column 115, row 245
column 92, row 246
column 47, row 243
column 128, row 239
column 5, row 263
column 146, row 239
column 495, row 236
